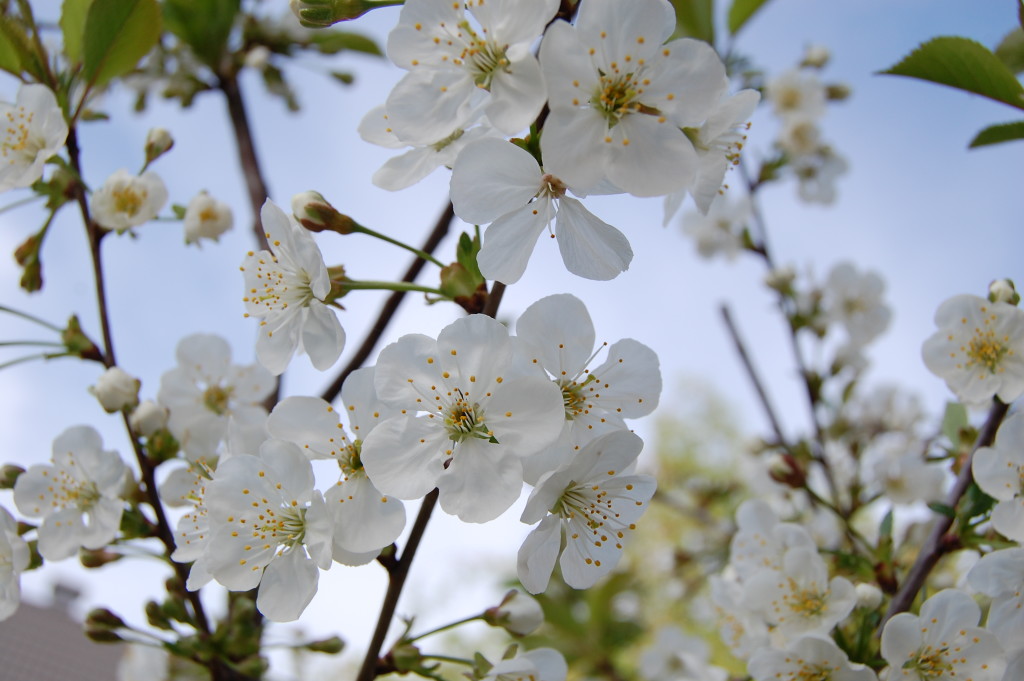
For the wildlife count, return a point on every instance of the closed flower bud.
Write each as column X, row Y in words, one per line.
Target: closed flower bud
column 116, row 390
column 1003, row 291
column 816, row 56
column 9, row 475
column 324, row 13
column 868, row 596
column 316, row 214
column 148, row 418
column 158, row 143
column 517, row 614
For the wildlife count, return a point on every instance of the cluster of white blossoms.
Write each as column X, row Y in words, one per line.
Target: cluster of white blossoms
column 626, row 113
column 799, row 99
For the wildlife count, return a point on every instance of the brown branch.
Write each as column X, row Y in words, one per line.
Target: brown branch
column 938, row 542
column 387, row 312
column 762, row 395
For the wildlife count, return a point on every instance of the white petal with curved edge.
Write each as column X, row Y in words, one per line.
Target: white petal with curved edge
column 590, row 247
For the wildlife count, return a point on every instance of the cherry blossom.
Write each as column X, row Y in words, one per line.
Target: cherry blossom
column 365, row 520
column 674, row 656
column 452, row 61
column 286, row 287
column 34, row 130
column 1000, row 575
column 592, row 504
column 270, row 528
column 620, row 98
column 124, row 200
column 854, row 299
column 999, row 472
column 807, row 658
column 540, row 664
column 942, row 643
column 206, row 390
column 78, row 496
column 720, row 230
column 499, row 183
column 116, row 389
column 206, row 218
column 558, row 336
column 14, row 558
column 978, row 349
column 468, row 420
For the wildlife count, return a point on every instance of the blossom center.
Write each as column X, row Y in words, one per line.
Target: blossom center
column 929, row 663
column 70, row 492
column 986, row 350
column 286, row 526
column 464, row 419
column 439, row 146
column 16, row 135
column 551, row 186
column 281, row 288
column 216, row 399
column 128, row 201
column 351, row 462
column 617, row 96
column 481, row 57
column 806, row 602
column 814, row 672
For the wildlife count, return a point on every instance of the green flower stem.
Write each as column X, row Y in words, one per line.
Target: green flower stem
column 25, row 315
column 353, row 285
column 440, row 629
column 29, row 358
column 21, row 202
column 356, row 227
column 448, row 658
column 32, row 343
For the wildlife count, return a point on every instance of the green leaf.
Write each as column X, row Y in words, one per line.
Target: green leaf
column 17, row 52
column 118, row 33
column 10, row 54
column 954, row 421
column 942, row 509
column 332, row 42
column 203, row 25
column 72, row 25
column 963, row 64
column 740, row 13
column 994, row 134
column 695, row 19
column 1011, row 50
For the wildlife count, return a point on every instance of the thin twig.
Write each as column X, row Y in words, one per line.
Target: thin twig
column 387, row 312
column 938, row 542
column 762, row 395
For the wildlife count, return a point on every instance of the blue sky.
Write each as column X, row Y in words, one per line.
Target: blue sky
column 933, row 218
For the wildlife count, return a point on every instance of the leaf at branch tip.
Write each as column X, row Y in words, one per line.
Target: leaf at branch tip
column 995, row 134
column 695, row 19
column 72, row 26
column 963, row 64
column 740, row 13
column 118, row 33
column 1011, row 50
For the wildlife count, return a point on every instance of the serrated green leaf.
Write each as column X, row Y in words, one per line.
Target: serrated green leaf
column 203, row 25
column 1011, row 50
column 740, row 13
column 963, row 64
column 118, row 33
column 995, row 134
column 72, row 25
column 695, row 19
column 332, row 42
column 954, row 420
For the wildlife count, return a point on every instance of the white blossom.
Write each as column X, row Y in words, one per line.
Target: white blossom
column 148, row 418
column 999, row 472
column 807, row 658
column 942, row 643
column 592, row 503
column 558, row 337
column 270, row 528
column 14, row 558
column 468, row 420
column 540, row 664
column 978, row 349
column 286, row 287
column 1000, row 576
column 78, row 496
column 720, row 230
column 452, row 62
column 116, row 389
column 518, row 613
column 674, row 656
column 619, row 97
column 854, row 299
column 499, row 183
column 206, row 218
column 33, row 130
column 796, row 94
column 365, row 520
column 206, row 390
column 125, row 200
